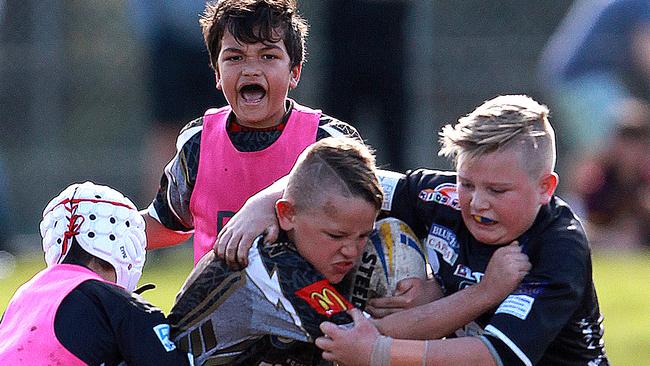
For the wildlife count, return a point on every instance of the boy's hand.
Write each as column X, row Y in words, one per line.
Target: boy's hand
column 410, row 292
column 256, row 217
column 348, row 346
column 236, row 238
column 506, row 269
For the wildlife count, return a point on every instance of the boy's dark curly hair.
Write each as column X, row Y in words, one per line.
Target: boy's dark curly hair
column 252, row 21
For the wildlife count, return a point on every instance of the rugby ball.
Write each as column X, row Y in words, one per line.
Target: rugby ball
column 393, row 253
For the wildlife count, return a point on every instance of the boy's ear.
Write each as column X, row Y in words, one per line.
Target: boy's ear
column 218, row 79
column 295, row 76
column 547, row 185
column 286, row 213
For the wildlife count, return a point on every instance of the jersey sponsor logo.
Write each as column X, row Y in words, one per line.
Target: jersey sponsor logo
column 516, row 305
column 444, row 194
column 388, row 181
column 467, row 273
column 324, row 298
column 443, row 240
column 162, row 332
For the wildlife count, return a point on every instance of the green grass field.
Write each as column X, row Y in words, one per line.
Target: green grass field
column 622, row 282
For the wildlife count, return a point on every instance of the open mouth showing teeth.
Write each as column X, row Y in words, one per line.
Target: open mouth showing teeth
column 483, row 220
column 252, row 93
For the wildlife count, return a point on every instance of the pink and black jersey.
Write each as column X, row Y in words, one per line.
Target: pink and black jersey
column 68, row 315
column 177, row 205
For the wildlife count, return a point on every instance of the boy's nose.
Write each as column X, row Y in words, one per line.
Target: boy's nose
column 479, row 202
column 352, row 248
column 251, row 69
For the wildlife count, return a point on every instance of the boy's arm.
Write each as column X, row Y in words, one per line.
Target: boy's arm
column 158, row 236
column 168, row 217
column 256, row 217
column 362, row 345
column 409, row 293
column 507, row 267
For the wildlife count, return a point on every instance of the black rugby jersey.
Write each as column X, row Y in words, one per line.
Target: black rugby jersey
column 266, row 314
column 553, row 317
column 172, row 202
column 102, row 324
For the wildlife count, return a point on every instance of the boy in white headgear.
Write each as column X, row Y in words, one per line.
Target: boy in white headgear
column 80, row 310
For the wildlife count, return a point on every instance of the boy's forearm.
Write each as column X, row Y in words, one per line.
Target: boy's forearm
column 457, row 351
column 158, row 236
column 439, row 318
column 266, row 198
column 277, row 188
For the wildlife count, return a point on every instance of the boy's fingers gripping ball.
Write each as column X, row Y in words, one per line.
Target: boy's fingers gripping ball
column 393, row 253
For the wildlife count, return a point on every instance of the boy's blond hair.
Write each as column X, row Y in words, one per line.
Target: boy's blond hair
column 505, row 122
column 339, row 164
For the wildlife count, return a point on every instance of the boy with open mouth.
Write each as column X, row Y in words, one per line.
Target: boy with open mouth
column 256, row 49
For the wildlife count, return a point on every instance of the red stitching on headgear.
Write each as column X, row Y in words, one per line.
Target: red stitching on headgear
column 73, row 225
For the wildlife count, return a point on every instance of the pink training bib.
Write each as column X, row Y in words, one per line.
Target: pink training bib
column 27, row 331
column 227, row 177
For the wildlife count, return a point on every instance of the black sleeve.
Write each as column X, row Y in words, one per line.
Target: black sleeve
column 102, row 324
column 332, row 127
column 171, row 205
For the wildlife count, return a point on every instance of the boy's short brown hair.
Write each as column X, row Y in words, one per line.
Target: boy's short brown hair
column 507, row 121
column 342, row 164
column 252, row 21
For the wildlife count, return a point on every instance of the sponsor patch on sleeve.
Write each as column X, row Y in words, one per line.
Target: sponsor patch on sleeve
column 516, row 305
column 323, row 297
column 444, row 194
column 388, row 181
column 162, row 331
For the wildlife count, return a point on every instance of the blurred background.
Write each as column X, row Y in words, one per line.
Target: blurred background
column 98, row 90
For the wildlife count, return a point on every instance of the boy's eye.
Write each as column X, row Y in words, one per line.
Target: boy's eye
column 335, row 236
column 466, row 185
column 497, row 190
column 233, row 58
column 269, row 57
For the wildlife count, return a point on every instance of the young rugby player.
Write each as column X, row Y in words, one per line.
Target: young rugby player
column 270, row 312
column 256, row 49
column 80, row 309
column 502, row 193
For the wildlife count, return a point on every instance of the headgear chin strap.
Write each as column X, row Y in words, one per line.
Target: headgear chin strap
column 104, row 223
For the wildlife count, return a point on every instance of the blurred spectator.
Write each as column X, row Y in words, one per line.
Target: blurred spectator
column 614, row 184
column 180, row 83
column 599, row 56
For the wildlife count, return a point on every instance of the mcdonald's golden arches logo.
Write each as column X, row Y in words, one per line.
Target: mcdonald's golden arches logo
column 324, row 298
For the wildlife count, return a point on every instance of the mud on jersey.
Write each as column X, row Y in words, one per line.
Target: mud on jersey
column 553, row 317
column 172, row 202
column 269, row 312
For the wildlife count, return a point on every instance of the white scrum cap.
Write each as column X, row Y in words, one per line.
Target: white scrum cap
column 104, row 222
